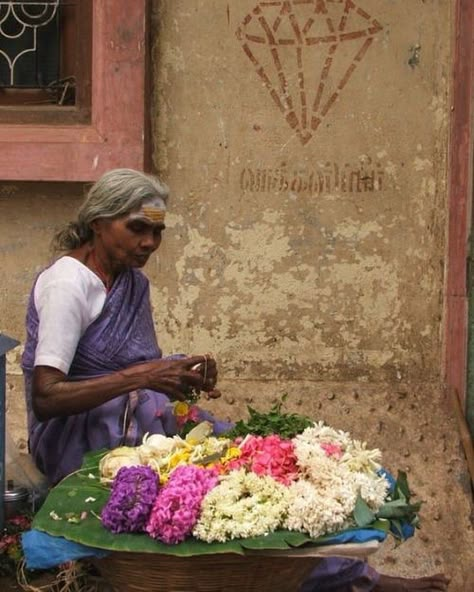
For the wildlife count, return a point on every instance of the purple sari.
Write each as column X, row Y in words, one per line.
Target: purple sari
column 122, row 335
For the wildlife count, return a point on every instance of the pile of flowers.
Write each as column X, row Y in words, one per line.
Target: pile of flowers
column 10, row 543
column 218, row 489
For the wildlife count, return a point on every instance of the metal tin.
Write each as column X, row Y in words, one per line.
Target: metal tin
column 16, row 501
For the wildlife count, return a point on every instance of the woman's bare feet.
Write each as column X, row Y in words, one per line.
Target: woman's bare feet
column 434, row 583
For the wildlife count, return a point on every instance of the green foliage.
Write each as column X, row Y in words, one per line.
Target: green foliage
column 363, row 515
column 395, row 512
column 398, row 509
column 286, row 425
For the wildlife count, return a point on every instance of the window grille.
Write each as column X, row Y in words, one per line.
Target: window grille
column 33, row 44
column 80, row 140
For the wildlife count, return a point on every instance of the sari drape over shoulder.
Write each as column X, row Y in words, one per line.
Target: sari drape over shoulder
column 122, row 335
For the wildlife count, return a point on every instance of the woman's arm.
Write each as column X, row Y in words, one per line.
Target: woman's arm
column 56, row 396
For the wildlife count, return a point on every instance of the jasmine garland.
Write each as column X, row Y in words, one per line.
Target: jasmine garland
column 242, row 505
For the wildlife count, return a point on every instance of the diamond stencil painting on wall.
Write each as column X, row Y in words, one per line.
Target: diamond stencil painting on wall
column 322, row 41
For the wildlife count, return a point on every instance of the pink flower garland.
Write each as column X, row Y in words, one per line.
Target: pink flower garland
column 268, row 455
column 178, row 504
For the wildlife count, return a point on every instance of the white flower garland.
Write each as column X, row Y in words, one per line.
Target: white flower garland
column 317, row 511
column 336, row 470
column 242, row 505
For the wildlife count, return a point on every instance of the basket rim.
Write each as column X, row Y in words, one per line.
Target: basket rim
column 350, row 550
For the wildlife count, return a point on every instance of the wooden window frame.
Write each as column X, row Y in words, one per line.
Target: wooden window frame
column 116, row 135
column 460, row 202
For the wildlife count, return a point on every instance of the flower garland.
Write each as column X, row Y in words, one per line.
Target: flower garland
column 134, row 491
column 163, row 454
column 330, row 459
column 242, row 505
column 218, row 489
column 268, row 455
column 178, row 504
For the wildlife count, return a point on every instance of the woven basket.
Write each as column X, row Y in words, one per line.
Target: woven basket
column 229, row 572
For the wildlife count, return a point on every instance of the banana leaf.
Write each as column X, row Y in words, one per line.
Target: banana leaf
column 72, row 510
column 363, row 515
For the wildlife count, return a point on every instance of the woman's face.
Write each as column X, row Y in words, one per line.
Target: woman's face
column 127, row 241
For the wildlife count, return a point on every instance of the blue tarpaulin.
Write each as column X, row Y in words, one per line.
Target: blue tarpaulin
column 43, row 551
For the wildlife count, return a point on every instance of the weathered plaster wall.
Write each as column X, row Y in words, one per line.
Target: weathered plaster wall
column 341, row 237
column 310, row 261
column 29, row 215
column 306, row 149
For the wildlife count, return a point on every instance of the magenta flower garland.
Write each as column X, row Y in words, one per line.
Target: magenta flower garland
column 134, row 491
column 178, row 504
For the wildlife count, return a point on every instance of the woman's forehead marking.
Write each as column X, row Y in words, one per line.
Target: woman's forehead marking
column 155, row 215
column 153, row 210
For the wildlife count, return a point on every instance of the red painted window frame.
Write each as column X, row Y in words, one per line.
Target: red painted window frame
column 116, row 135
column 460, row 201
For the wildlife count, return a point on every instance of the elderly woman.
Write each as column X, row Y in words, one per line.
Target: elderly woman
column 95, row 377
column 94, row 373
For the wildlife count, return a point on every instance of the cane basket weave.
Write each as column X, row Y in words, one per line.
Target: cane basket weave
column 226, row 572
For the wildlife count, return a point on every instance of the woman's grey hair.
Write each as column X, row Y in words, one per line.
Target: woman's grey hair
column 115, row 194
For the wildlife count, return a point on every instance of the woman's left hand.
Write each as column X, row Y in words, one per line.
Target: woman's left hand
column 208, row 370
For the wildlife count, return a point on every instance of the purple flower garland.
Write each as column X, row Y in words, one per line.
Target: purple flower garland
column 134, row 491
column 178, row 505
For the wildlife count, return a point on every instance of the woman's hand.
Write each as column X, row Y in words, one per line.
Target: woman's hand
column 208, row 371
column 56, row 396
column 177, row 378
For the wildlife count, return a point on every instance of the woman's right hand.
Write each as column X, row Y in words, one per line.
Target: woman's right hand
column 176, row 378
column 54, row 395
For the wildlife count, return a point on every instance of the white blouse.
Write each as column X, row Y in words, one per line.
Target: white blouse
column 68, row 297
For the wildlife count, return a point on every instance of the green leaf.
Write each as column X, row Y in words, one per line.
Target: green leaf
column 401, row 486
column 397, row 529
column 297, row 539
column 363, row 515
column 381, row 524
column 280, row 539
column 286, row 425
column 91, row 461
column 398, row 509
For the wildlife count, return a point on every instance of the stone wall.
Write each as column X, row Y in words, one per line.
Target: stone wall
column 29, row 215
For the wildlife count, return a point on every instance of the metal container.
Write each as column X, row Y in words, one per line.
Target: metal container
column 16, row 500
